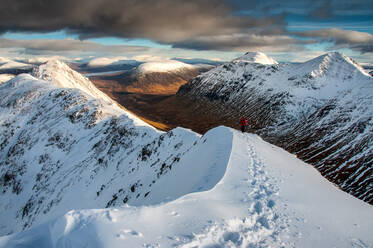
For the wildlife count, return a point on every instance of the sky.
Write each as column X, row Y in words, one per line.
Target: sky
column 288, row 30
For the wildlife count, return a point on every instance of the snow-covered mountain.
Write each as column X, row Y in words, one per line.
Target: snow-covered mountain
column 156, row 78
column 66, row 146
column 321, row 110
column 105, row 62
column 162, row 77
column 163, row 66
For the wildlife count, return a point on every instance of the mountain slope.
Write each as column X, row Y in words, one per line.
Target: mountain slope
column 320, row 110
column 154, row 78
column 253, row 195
column 160, row 78
column 65, row 145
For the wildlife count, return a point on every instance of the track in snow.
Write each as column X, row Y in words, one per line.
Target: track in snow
column 264, row 225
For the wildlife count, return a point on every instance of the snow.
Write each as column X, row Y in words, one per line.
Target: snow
column 62, row 76
column 103, row 61
column 308, row 85
column 320, row 109
column 163, row 66
column 255, row 195
column 76, row 152
column 256, row 57
column 5, row 77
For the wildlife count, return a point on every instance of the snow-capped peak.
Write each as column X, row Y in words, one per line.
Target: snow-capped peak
column 256, row 57
column 333, row 61
column 61, row 75
column 163, row 66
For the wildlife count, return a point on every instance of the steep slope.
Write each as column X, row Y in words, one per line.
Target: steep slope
column 65, row 145
column 320, row 110
column 253, row 195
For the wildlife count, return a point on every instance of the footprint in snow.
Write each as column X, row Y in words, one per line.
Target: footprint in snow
column 125, row 233
column 175, row 214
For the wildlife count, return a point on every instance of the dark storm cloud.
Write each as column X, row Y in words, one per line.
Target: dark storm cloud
column 312, row 9
column 323, row 11
column 37, row 47
column 165, row 21
column 358, row 41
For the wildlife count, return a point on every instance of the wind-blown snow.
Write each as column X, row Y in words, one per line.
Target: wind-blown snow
column 163, row 66
column 256, row 57
column 260, row 196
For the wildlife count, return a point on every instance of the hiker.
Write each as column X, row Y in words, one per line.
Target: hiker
column 243, row 124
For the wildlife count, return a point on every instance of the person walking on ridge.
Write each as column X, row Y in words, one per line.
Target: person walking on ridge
column 243, row 124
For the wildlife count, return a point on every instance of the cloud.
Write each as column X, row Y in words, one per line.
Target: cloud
column 245, row 42
column 354, row 40
column 49, row 46
column 323, row 11
column 165, row 21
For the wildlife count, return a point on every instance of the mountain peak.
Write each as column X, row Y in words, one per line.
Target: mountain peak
column 61, row 75
column 256, row 57
column 334, row 61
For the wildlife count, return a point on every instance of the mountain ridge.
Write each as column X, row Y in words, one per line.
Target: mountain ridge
column 320, row 110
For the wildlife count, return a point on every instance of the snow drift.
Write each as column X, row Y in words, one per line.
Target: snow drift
column 258, row 196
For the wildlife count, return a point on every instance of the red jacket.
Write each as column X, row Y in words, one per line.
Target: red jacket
column 243, row 121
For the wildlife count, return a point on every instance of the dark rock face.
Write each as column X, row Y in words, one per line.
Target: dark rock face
column 320, row 110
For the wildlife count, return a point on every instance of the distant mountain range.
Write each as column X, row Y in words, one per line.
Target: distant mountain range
column 157, row 78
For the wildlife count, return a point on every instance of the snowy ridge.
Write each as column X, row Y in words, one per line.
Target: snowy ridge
column 253, row 203
column 321, row 110
column 256, row 57
column 330, row 62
